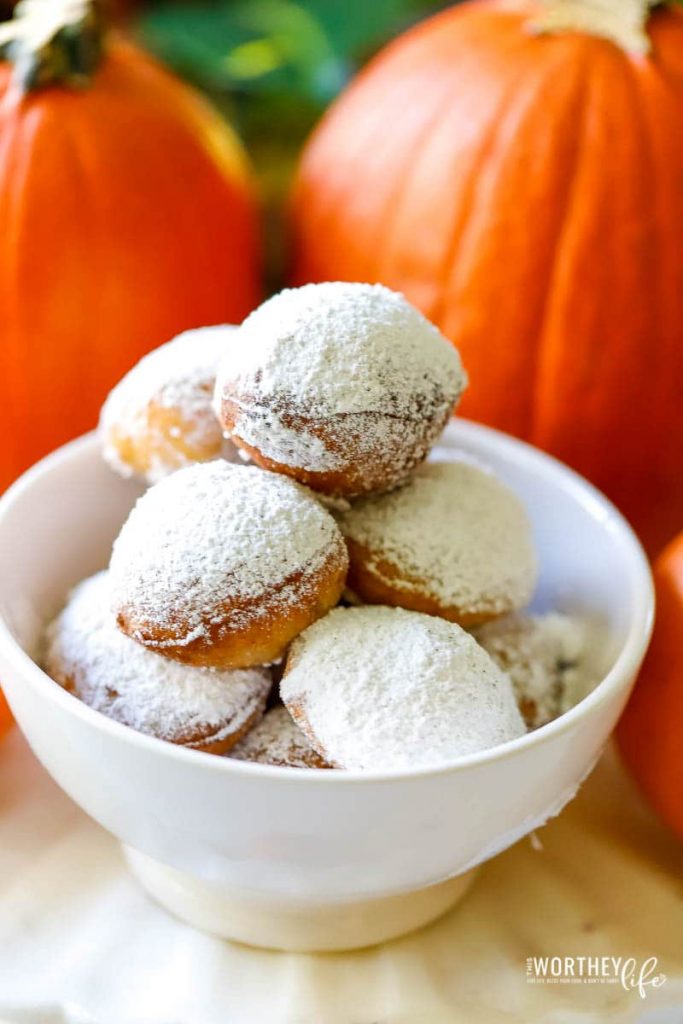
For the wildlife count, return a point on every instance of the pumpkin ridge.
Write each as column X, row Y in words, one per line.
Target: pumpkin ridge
column 463, row 224
column 13, row 209
column 386, row 255
column 579, row 378
column 389, row 217
column 641, row 122
column 362, row 137
column 659, row 413
column 384, row 259
column 571, row 192
column 327, row 206
column 395, row 195
column 11, row 128
column 80, row 138
column 449, row 287
column 510, row 102
column 13, row 164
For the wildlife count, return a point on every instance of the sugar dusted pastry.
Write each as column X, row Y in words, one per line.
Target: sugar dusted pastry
column 278, row 740
column 453, row 541
column 543, row 655
column 223, row 565
column 380, row 688
column 160, row 416
column 344, row 387
column 193, row 707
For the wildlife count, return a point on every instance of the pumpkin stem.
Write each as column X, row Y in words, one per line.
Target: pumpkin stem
column 623, row 22
column 53, row 42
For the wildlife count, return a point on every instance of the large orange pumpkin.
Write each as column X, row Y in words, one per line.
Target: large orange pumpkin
column 650, row 733
column 126, row 216
column 521, row 183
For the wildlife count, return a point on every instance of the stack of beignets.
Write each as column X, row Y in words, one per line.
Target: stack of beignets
column 336, row 393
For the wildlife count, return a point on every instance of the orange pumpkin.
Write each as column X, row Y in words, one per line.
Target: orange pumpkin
column 650, row 732
column 126, row 216
column 521, row 182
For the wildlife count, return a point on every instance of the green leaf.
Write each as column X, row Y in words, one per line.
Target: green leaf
column 304, row 49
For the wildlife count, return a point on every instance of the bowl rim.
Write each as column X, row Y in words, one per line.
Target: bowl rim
column 617, row 678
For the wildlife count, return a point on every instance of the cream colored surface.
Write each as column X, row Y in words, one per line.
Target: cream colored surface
column 80, row 942
column 298, row 928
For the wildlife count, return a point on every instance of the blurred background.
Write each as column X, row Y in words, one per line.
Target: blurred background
column 271, row 66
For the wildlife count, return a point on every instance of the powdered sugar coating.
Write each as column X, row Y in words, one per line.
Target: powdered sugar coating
column 338, row 372
column 278, row 740
column 452, row 533
column 542, row 654
column 177, row 378
column 216, row 534
column 378, row 688
column 150, row 693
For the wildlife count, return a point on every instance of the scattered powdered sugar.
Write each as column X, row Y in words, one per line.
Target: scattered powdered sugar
column 455, row 533
column 328, row 354
column 139, row 688
column 262, row 428
column 379, row 687
column 181, row 376
column 543, row 655
column 216, row 533
column 390, row 354
column 278, row 740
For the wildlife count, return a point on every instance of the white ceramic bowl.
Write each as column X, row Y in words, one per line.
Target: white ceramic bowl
column 313, row 860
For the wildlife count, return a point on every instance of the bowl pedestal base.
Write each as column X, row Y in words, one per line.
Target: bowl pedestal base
column 246, row 916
